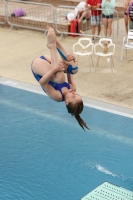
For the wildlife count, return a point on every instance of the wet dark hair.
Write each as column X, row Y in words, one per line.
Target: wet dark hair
column 75, row 110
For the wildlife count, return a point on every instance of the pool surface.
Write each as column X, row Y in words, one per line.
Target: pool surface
column 45, row 155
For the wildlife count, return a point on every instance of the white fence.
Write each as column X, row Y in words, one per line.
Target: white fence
column 38, row 15
column 2, row 12
column 62, row 25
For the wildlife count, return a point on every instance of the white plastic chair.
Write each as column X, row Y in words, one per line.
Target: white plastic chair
column 110, row 53
column 127, row 44
column 85, row 50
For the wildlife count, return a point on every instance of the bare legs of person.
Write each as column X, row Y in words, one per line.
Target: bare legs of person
column 64, row 52
column 126, row 23
column 83, row 14
column 51, row 44
column 93, row 31
column 105, row 23
column 42, row 67
column 107, row 26
column 98, row 30
column 80, row 12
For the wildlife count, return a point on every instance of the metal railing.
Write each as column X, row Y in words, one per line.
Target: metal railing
column 2, row 12
column 62, row 25
column 37, row 15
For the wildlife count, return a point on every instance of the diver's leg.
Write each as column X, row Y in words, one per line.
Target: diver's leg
column 51, row 44
column 40, row 66
column 72, row 68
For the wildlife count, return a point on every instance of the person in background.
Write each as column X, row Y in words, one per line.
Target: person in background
column 83, row 13
column 80, row 12
column 107, row 16
column 129, row 13
column 96, row 16
column 125, row 6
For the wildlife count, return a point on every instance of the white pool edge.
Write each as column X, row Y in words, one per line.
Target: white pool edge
column 99, row 105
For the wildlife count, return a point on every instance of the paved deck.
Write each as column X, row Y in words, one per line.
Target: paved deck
column 20, row 47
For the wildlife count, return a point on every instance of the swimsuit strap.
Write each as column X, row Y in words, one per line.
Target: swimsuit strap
column 59, row 86
column 61, row 54
column 42, row 57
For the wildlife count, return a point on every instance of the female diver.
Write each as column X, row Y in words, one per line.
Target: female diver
column 49, row 72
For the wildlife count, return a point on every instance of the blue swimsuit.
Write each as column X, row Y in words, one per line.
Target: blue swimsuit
column 56, row 86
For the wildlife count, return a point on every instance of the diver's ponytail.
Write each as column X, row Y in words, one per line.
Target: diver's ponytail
column 81, row 122
column 75, row 110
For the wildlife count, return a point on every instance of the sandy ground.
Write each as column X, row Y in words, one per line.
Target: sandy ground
column 19, row 47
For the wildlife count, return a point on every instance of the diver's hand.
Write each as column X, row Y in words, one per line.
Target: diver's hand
column 60, row 66
column 70, row 57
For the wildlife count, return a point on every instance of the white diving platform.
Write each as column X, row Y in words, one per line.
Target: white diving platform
column 108, row 191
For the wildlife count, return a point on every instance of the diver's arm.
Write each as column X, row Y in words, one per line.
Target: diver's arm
column 49, row 75
column 71, row 81
column 45, row 79
column 52, row 93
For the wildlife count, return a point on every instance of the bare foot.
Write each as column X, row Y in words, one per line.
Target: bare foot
column 52, row 30
column 51, row 37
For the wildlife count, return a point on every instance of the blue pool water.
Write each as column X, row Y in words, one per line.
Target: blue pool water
column 45, row 155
